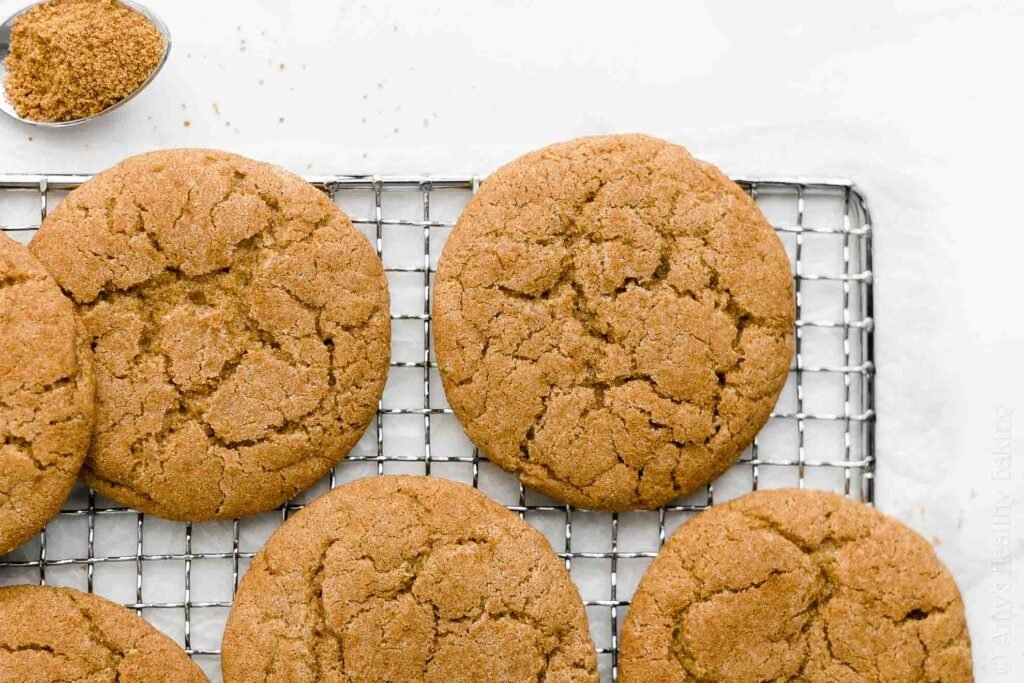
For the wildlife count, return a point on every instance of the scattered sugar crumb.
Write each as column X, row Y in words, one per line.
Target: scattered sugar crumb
column 186, row 123
column 282, row 66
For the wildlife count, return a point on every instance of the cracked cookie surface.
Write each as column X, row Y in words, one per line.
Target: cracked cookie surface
column 240, row 328
column 791, row 585
column 60, row 634
column 402, row 578
column 613, row 321
column 46, row 396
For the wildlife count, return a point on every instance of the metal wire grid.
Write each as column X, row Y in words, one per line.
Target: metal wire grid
column 823, row 223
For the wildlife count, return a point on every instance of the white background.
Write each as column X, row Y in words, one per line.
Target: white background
column 919, row 103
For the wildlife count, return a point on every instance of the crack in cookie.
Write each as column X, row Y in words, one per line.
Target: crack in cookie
column 412, row 579
column 240, row 328
column 595, row 284
column 792, row 585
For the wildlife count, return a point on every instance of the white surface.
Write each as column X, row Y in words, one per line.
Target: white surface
column 918, row 102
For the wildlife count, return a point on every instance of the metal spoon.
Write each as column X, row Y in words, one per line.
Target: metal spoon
column 5, row 49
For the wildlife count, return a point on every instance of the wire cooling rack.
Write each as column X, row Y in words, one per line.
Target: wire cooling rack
column 182, row 577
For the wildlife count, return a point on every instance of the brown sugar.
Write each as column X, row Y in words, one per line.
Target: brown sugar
column 74, row 58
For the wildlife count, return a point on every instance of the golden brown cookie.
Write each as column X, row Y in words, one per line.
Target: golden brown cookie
column 59, row 634
column 240, row 326
column 795, row 585
column 613, row 321
column 400, row 578
column 46, row 396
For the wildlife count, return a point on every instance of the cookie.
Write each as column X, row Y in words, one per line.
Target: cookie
column 46, row 396
column 60, row 634
column 795, row 585
column 240, row 327
column 400, row 578
column 613, row 321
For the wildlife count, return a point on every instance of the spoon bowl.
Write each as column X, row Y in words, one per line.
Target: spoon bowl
column 5, row 49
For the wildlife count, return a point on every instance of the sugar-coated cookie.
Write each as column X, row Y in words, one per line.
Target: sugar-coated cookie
column 613, row 321
column 400, row 578
column 795, row 585
column 60, row 634
column 47, row 395
column 240, row 327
